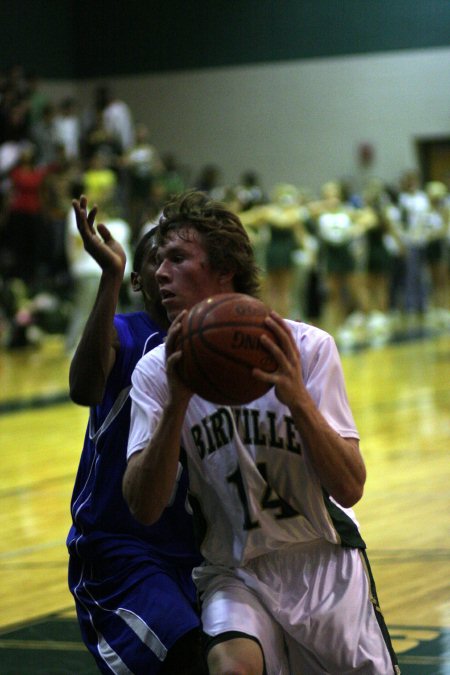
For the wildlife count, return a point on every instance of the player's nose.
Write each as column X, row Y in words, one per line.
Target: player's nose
column 162, row 271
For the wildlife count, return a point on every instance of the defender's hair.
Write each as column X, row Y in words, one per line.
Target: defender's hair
column 147, row 241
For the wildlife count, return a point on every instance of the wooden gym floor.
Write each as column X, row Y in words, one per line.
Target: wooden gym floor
column 400, row 396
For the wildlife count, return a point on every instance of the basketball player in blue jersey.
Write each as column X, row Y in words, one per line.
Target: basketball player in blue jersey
column 134, row 594
column 285, row 585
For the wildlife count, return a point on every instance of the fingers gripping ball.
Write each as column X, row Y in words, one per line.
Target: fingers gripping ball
column 221, row 344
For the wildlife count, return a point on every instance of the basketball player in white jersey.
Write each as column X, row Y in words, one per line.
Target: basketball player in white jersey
column 286, row 587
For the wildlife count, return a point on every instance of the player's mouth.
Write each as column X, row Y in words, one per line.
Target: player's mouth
column 166, row 296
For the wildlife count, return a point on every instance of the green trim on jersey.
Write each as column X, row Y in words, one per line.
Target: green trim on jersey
column 199, row 521
column 345, row 527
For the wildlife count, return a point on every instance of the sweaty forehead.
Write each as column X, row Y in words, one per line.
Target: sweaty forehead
column 180, row 237
column 184, row 232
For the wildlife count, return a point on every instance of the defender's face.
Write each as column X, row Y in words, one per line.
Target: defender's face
column 150, row 288
column 184, row 274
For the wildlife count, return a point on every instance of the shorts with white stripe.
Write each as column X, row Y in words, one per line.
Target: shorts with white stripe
column 130, row 618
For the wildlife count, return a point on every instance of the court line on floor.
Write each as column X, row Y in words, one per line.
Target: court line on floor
column 35, row 402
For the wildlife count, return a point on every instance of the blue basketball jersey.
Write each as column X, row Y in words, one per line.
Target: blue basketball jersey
column 102, row 523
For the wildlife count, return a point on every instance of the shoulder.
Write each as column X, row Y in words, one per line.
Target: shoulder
column 152, row 361
column 149, row 374
column 137, row 332
column 136, row 321
column 308, row 335
column 313, row 343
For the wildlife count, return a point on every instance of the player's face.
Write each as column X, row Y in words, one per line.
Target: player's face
column 149, row 286
column 184, row 274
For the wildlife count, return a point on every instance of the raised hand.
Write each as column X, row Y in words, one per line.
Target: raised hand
column 105, row 250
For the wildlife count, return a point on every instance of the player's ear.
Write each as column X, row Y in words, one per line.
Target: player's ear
column 136, row 282
column 226, row 278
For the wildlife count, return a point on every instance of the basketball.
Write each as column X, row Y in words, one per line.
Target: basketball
column 221, row 344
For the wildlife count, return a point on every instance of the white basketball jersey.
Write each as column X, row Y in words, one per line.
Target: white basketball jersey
column 253, row 489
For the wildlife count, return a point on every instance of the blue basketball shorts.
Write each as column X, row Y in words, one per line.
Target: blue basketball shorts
column 131, row 613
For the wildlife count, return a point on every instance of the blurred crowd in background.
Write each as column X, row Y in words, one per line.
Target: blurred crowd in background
column 366, row 264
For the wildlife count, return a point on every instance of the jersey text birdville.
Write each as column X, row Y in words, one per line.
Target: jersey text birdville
column 253, row 426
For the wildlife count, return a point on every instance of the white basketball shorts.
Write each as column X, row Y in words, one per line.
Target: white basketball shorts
column 312, row 608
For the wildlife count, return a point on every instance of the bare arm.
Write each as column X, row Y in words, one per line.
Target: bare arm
column 96, row 351
column 150, row 475
column 337, row 461
column 254, row 217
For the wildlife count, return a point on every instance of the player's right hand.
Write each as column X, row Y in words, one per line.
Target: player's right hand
column 178, row 389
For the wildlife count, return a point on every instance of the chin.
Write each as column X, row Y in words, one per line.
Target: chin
column 172, row 314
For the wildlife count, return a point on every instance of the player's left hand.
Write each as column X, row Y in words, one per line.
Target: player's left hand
column 287, row 378
column 178, row 390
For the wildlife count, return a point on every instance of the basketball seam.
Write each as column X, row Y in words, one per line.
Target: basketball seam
column 191, row 334
column 199, row 336
column 224, row 324
column 217, row 351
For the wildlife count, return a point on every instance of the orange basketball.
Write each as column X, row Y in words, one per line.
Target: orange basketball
column 221, row 344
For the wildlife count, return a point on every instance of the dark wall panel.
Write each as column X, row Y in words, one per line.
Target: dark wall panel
column 95, row 38
column 38, row 34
